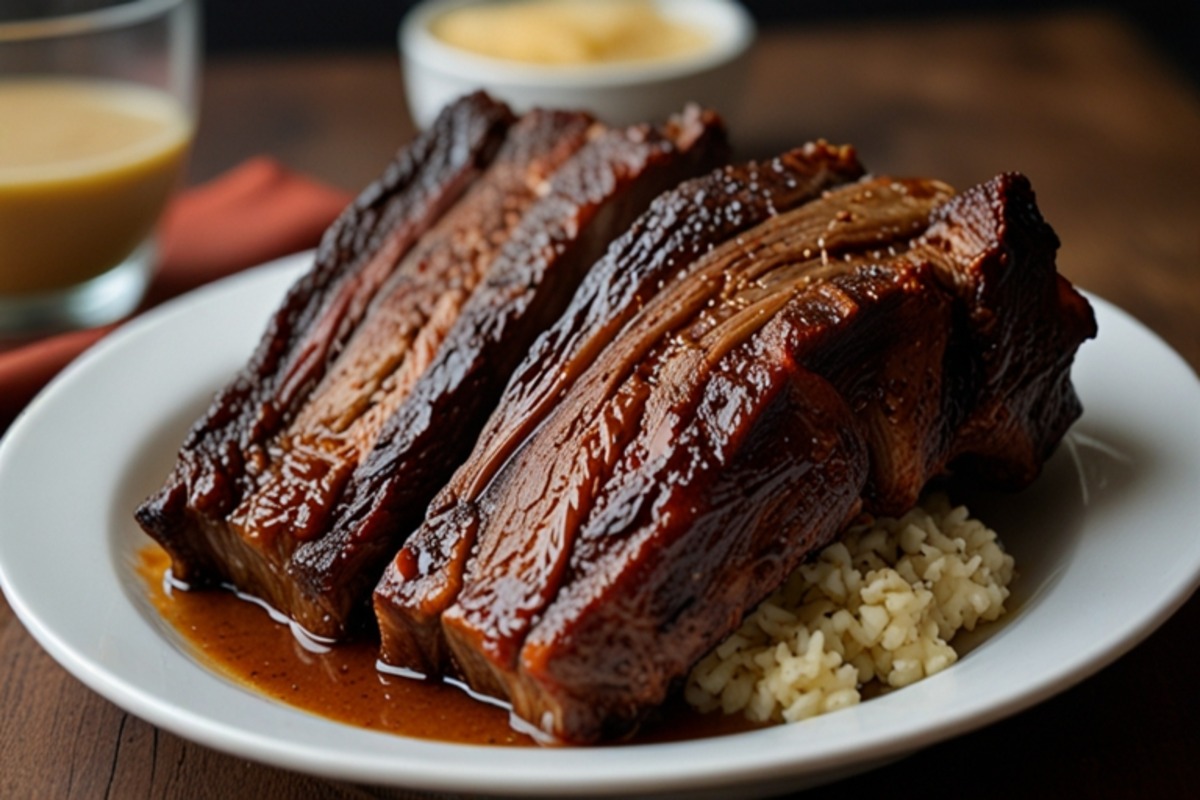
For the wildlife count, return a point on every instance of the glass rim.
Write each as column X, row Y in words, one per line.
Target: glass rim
column 118, row 15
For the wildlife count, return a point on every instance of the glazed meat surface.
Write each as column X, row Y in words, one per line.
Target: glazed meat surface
column 219, row 460
column 712, row 408
column 382, row 391
column 679, row 229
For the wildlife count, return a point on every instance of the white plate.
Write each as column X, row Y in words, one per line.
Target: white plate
column 1105, row 542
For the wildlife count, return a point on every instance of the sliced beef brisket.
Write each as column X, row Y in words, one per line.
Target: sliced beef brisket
column 322, row 478
column 665, row 457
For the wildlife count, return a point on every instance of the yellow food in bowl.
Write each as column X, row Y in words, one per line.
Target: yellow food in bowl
column 569, row 31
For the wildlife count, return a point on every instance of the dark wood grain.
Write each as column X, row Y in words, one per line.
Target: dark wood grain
column 338, row 117
column 1109, row 136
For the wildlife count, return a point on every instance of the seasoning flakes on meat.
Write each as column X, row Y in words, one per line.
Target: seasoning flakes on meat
column 710, row 409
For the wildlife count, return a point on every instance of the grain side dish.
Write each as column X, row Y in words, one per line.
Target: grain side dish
column 881, row 605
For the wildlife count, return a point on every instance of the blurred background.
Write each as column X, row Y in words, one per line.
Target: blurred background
column 239, row 26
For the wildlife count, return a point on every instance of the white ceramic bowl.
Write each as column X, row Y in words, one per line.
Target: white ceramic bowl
column 436, row 73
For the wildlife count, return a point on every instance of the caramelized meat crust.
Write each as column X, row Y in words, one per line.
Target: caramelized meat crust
column 320, row 313
column 669, row 453
column 321, row 497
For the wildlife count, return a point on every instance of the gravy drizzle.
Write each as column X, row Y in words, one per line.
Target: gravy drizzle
column 238, row 638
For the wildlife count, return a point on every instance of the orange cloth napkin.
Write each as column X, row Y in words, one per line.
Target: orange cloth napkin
column 253, row 213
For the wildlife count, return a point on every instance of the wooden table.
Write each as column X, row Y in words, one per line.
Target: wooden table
column 1110, row 137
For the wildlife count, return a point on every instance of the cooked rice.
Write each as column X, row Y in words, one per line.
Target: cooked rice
column 880, row 605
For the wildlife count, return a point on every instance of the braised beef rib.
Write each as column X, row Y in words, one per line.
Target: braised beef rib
column 769, row 350
column 309, row 469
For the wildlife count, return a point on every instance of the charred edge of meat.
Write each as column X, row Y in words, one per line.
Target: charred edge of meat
column 1024, row 325
column 424, row 179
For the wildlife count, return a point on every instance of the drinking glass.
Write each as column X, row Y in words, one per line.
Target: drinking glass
column 97, row 110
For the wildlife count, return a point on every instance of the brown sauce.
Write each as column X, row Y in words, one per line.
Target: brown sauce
column 240, row 640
